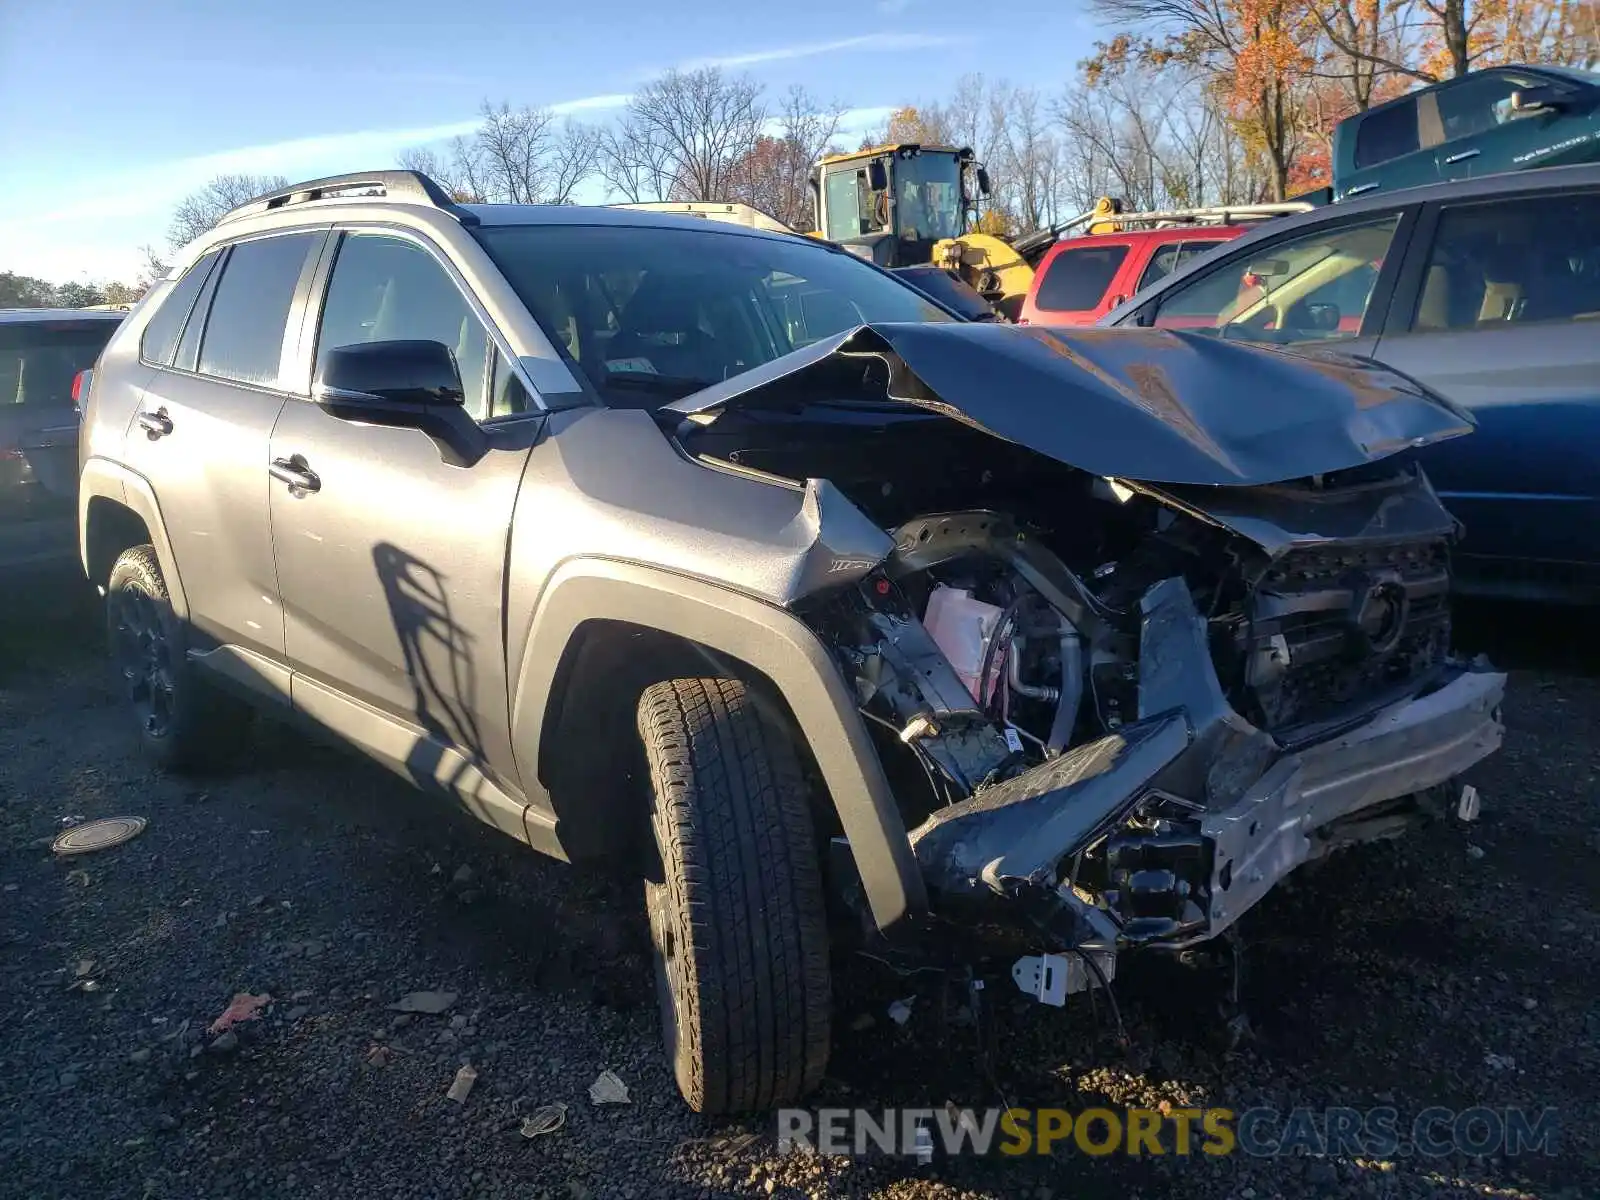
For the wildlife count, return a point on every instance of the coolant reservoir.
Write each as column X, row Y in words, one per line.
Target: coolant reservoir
column 961, row 627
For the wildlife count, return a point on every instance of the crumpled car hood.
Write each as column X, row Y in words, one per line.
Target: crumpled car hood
column 1155, row 405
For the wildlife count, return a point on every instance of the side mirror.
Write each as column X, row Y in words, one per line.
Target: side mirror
column 402, row 385
column 877, row 175
column 410, row 374
column 1536, row 99
column 983, row 181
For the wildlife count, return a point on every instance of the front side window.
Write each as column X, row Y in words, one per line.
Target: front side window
column 652, row 314
column 1077, row 278
column 160, row 338
column 1477, row 104
column 390, row 289
column 1387, row 133
column 842, row 191
column 243, row 337
column 1513, row 262
column 1313, row 287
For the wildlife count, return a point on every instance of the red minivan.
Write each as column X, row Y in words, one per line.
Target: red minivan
column 1081, row 279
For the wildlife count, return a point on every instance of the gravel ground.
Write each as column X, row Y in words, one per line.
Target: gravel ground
column 1450, row 970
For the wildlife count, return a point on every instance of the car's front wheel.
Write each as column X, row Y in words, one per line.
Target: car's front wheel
column 735, row 899
column 183, row 721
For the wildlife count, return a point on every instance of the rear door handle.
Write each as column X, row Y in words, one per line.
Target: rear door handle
column 156, row 424
column 296, row 474
column 1462, row 156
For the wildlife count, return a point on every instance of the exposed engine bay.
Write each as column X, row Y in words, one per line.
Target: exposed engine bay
column 1128, row 708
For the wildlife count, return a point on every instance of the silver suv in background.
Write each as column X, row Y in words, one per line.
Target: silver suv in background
column 728, row 556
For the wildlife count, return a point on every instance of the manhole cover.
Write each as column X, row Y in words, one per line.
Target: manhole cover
column 97, row 835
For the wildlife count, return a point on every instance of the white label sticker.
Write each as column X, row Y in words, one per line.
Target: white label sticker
column 1013, row 739
column 637, row 365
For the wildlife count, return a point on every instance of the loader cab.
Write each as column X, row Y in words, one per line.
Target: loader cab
column 890, row 204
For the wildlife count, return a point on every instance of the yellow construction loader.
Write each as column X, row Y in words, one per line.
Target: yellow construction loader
column 894, row 204
column 890, row 204
column 908, row 205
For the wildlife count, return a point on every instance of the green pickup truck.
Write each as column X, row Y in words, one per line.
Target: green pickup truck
column 1499, row 119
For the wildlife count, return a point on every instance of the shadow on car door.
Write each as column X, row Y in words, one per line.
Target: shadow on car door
column 391, row 559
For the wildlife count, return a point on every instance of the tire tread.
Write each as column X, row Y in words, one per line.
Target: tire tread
column 741, row 848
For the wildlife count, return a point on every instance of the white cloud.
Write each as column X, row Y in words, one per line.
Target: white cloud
column 592, row 103
column 92, row 226
column 866, row 41
column 859, row 120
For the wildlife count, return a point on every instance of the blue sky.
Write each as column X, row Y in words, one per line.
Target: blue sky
column 177, row 91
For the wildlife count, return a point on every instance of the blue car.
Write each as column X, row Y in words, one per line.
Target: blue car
column 1487, row 290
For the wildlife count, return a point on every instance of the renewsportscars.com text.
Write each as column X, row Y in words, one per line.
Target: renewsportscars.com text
column 1259, row 1132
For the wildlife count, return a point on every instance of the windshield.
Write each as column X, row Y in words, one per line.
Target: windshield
column 652, row 314
column 927, row 192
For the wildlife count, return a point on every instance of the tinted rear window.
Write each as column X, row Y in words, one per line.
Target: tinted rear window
column 1076, row 279
column 39, row 358
column 1388, row 133
column 244, row 330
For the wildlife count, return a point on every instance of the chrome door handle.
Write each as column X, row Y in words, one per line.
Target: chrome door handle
column 156, row 424
column 295, row 473
column 1463, row 156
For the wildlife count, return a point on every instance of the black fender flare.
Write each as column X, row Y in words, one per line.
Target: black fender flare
column 768, row 639
column 102, row 479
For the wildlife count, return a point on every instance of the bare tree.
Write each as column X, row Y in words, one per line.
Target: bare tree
column 577, row 151
column 456, row 169
column 635, row 165
column 971, row 117
column 775, row 175
column 201, row 210
column 1025, row 154
column 1155, row 137
column 516, row 156
column 684, row 137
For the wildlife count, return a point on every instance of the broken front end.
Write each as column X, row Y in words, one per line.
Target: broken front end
column 1116, row 712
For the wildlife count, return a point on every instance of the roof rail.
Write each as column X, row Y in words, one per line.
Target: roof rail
column 412, row 186
column 1220, row 214
column 731, row 213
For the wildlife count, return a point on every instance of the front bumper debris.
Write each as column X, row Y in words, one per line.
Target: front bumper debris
column 1240, row 809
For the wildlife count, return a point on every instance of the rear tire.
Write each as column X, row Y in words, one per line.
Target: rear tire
column 735, row 901
column 184, row 722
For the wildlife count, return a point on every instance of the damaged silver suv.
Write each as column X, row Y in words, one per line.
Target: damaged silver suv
column 727, row 557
